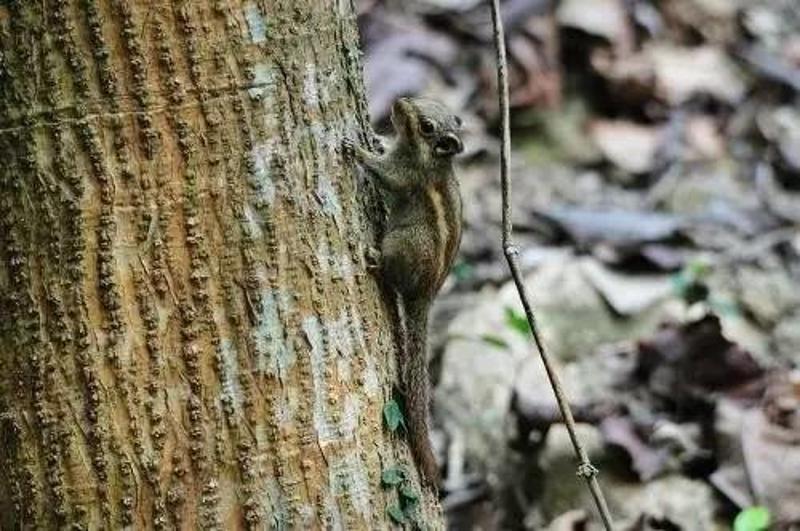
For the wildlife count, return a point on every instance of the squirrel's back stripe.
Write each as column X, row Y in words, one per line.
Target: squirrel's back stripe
column 453, row 212
column 442, row 230
column 446, row 208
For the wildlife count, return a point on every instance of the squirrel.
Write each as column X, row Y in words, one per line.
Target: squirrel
column 421, row 240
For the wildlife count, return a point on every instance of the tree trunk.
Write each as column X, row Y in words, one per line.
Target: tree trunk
column 189, row 337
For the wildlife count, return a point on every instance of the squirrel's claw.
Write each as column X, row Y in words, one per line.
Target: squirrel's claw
column 373, row 257
column 348, row 147
column 378, row 144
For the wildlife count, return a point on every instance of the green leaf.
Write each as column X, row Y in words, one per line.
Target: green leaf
column 396, row 514
column 408, row 495
column 495, row 341
column 518, row 321
column 752, row 519
column 392, row 476
column 699, row 269
column 696, row 292
column 393, row 416
column 689, row 287
column 690, row 283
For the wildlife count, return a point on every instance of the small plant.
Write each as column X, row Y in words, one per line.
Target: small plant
column 690, row 283
column 495, row 341
column 393, row 416
column 755, row 518
column 396, row 513
column 404, row 510
column 392, row 476
column 518, row 322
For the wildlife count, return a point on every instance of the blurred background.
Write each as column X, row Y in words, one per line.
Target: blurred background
column 656, row 168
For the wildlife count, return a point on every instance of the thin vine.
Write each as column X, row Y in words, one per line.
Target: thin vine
column 585, row 468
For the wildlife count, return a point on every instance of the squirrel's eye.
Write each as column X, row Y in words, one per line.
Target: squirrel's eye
column 426, row 126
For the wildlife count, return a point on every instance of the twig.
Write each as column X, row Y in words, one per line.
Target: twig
column 585, row 468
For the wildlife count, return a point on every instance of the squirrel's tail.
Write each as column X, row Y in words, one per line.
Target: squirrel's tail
column 415, row 388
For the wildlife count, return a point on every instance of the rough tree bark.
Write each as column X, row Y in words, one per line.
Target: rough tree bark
column 189, row 337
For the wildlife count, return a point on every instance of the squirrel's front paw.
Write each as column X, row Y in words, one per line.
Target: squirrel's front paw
column 378, row 145
column 373, row 257
column 348, row 147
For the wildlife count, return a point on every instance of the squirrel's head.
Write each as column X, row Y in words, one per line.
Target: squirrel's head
column 428, row 126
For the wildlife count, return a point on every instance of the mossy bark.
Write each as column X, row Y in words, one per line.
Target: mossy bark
column 189, row 337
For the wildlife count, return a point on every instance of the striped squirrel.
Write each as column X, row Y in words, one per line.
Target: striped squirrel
column 421, row 240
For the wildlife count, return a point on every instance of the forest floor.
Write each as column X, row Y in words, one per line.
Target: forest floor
column 656, row 170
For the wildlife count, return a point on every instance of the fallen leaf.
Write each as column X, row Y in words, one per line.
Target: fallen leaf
column 626, row 294
column 587, row 227
column 683, row 73
column 629, row 146
column 647, row 461
column 631, row 79
column 640, row 258
column 731, row 480
column 704, row 139
column 681, row 362
column 781, row 127
column 601, row 18
column 671, row 503
column 770, row 66
column 772, row 460
column 576, row 520
column 715, row 20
